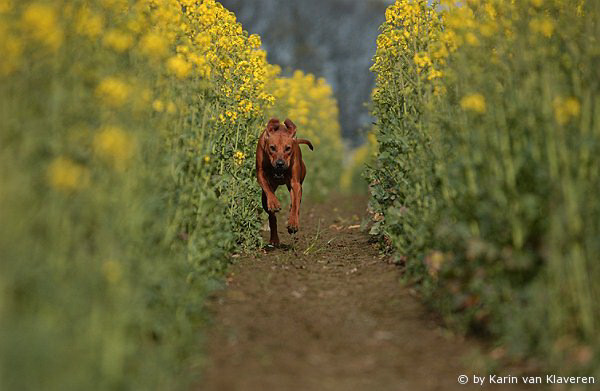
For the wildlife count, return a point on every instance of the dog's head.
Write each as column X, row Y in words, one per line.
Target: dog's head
column 279, row 143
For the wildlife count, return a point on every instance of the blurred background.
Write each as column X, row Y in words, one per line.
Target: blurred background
column 334, row 39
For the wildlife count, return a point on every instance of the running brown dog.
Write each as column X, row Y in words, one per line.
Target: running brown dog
column 279, row 162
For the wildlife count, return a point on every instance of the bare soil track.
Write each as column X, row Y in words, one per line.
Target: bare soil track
column 327, row 313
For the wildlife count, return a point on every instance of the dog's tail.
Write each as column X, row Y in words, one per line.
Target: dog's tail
column 305, row 141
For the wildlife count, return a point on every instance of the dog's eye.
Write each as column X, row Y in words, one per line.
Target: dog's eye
column 273, row 149
column 288, row 148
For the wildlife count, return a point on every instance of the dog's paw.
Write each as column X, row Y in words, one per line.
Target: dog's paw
column 273, row 205
column 292, row 228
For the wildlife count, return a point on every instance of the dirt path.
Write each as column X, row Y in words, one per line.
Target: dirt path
column 327, row 315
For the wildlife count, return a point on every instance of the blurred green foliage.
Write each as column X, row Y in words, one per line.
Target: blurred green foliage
column 127, row 134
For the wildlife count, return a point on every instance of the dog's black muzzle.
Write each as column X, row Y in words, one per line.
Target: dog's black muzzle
column 279, row 169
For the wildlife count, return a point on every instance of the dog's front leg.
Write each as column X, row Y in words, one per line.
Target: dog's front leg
column 274, row 240
column 273, row 205
column 296, row 199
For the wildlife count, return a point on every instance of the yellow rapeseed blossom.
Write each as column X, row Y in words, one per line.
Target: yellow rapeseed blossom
column 310, row 103
column 473, row 102
column 422, row 61
column 254, row 41
column 114, row 146
column 117, row 40
column 136, row 25
column 239, row 158
column 232, row 115
column 171, row 108
column 537, row 3
column 203, row 69
column 113, row 92
column 565, row 109
column 89, row 24
column 434, row 74
column 154, row 45
column 66, row 175
column 41, row 23
column 158, row 105
column 245, row 106
column 471, row 39
column 220, row 50
column 544, row 26
column 179, row 67
column 202, row 40
column 412, row 30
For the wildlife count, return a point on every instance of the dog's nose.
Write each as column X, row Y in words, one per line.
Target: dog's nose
column 279, row 163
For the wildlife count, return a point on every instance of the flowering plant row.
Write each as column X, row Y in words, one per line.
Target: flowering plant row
column 126, row 144
column 488, row 142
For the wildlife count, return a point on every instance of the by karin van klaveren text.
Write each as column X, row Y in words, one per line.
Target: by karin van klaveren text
column 546, row 379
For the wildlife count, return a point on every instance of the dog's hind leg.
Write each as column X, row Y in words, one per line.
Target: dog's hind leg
column 274, row 240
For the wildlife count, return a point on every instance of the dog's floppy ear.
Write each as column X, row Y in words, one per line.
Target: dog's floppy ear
column 272, row 126
column 290, row 126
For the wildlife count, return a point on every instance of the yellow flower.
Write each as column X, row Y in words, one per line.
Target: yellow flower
column 40, row 21
column 135, row 25
column 154, row 45
column 471, row 39
column 66, row 175
column 206, row 159
column 202, row 40
column 488, row 29
column 179, row 67
column 232, row 115
column 422, row 60
column 114, row 146
column 537, row 3
column 113, row 91
column 88, row 23
column 158, row 106
column 434, row 74
column 239, row 158
column 254, row 41
column 245, row 106
column 544, row 26
column 203, row 68
column 473, row 102
column 171, row 108
column 565, row 109
column 117, row 40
